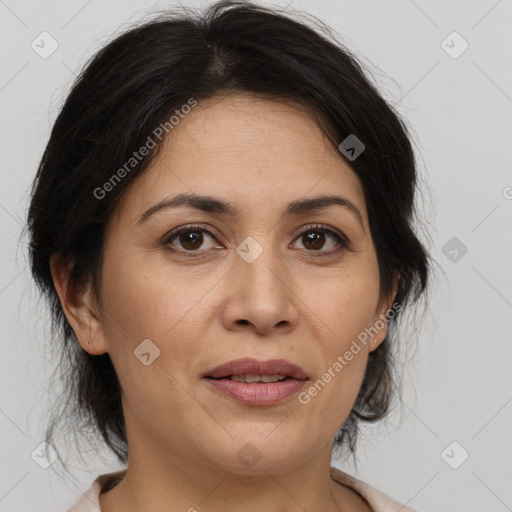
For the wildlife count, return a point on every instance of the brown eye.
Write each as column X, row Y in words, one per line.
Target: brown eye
column 189, row 240
column 314, row 239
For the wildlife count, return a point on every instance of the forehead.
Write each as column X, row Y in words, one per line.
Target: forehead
column 250, row 151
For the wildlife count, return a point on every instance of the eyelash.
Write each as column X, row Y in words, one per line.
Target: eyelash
column 343, row 242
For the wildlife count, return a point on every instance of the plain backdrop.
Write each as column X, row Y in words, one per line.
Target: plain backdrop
column 458, row 102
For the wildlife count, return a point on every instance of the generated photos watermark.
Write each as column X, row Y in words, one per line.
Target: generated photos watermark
column 343, row 360
column 138, row 156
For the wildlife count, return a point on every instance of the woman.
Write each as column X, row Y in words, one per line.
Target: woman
column 222, row 224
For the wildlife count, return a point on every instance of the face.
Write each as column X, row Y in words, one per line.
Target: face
column 268, row 283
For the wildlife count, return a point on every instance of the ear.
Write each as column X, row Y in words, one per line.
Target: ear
column 79, row 306
column 383, row 312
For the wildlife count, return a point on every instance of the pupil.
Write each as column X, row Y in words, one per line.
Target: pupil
column 317, row 239
column 192, row 239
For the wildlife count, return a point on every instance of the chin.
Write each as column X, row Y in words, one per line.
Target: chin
column 262, row 451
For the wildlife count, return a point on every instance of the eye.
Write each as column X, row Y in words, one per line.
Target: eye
column 315, row 237
column 190, row 238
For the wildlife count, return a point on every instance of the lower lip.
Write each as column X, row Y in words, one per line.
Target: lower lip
column 257, row 393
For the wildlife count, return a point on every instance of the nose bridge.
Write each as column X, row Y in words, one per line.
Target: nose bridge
column 260, row 265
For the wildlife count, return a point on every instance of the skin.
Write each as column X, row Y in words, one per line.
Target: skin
column 200, row 312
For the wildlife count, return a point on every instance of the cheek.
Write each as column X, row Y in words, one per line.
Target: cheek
column 342, row 306
column 139, row 306
column 145, row 302
column 339, row 315
column 166, row 306
column 341, row 309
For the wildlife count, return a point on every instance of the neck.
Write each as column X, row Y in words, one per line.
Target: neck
column 192, row 488
column 160, row 480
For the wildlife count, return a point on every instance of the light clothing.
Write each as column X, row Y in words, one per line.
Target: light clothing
column 378, row 501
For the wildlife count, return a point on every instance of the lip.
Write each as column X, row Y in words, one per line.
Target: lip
column 255, row 367
column 257, row 393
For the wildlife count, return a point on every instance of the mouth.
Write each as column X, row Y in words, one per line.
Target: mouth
column 252, row 370
column 250, row 379
column 253, row 382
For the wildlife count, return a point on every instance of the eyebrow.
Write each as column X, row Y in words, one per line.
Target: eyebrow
column 213, row 205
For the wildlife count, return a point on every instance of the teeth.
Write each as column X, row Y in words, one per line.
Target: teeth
column 257, row 378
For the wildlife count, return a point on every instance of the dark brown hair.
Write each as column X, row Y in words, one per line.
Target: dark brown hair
column 133, row 85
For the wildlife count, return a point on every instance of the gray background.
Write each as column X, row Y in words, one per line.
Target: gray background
column 457, row 385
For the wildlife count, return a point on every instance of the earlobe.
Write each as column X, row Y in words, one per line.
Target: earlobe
column 381, row 326
column 78, row 304
column 383, row 312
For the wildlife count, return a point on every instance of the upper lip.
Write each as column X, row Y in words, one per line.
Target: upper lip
column 248, row 366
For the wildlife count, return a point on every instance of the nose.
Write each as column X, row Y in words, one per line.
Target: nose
column 259, row 296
